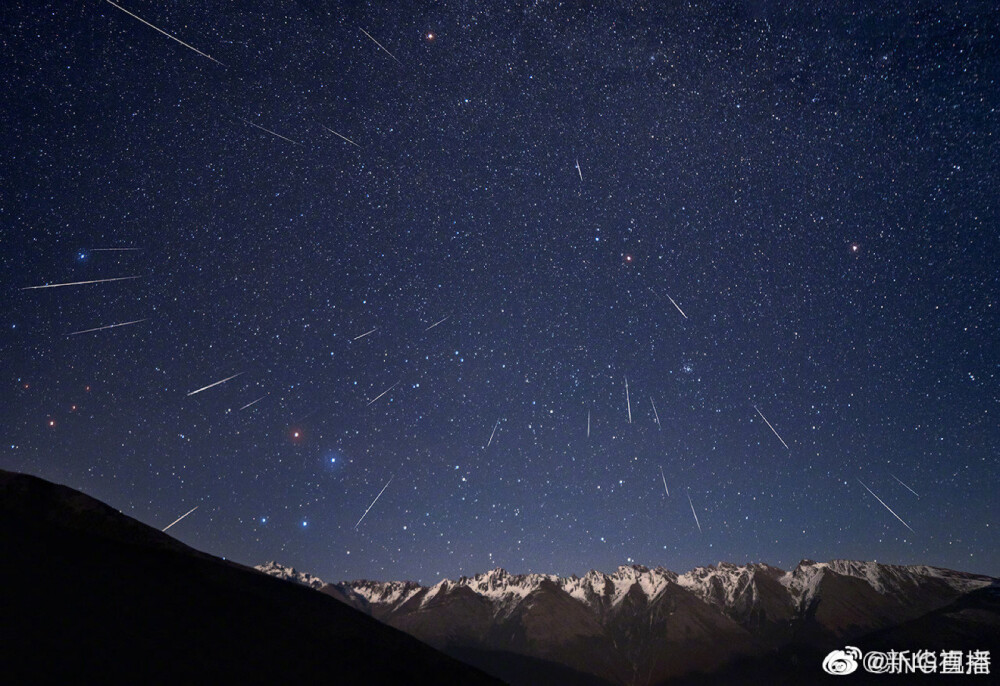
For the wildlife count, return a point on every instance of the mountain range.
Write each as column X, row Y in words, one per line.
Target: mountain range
column 638, row 625
column 90, row 595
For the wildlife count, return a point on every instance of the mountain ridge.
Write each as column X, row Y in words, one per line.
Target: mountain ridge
column 801, row 582
column 650, row 625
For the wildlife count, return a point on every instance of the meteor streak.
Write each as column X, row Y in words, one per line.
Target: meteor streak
column 904, row 485
column 668, row 490
column 381, row 46
column 627, row 402
column 578, row 170
column 381, row 394
column 374, row 501
column 492, row 434
column 676, row 305
column 694, row 513
column 588, row 423
column 886, row 506
column 344, row 137
column 205, row 388
column 80, row 283
column 102, row 328
column 365, row 334
column 189, row 47
column 440, row 321
column 253, row 402
column 771, row 427
column 181, row 517
column 247, row 121
column 655, row 414
column 110, row 249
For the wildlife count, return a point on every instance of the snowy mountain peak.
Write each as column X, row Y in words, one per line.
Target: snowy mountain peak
column 730, row 587
column 650, row 582
column 723, row 584
column 280, row 571
column 390, row 593
column 804, row 581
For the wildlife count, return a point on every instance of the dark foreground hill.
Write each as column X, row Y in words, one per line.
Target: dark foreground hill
column 88, row 595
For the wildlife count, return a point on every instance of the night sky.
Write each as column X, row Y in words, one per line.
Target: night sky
column 747, row 210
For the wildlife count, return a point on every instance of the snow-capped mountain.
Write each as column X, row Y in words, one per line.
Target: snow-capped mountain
column 642, row 624
column 734, row 589
column 290, row 574
column 341, row 592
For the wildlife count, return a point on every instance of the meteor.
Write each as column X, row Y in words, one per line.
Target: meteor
column 627, row 402
column 205, row 388
column 904, row 485
column 344, row 137
column 374, row 501
column 694, row 513
column 181, row 517
column 440, row 321
column 381, row 394
column 772, row 428
column 247, row 121
column 80, row 283
column 492, row 434
column 676, row 305
column 102, row 328
column 253, row 402
column 365, row 334
column 886, row 506
column 189, row 47
column 667, row 489
column 381, row 46
column 578, row 170
column 655, row 414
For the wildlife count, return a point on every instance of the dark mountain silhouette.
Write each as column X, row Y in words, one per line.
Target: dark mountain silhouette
column 90, row 595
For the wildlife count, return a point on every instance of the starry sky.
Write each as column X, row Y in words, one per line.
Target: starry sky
column 432, row 242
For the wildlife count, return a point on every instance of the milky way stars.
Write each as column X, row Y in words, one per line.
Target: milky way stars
column 428, row 245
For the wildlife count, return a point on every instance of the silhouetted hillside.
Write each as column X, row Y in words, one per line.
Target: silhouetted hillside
column 93, row 596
